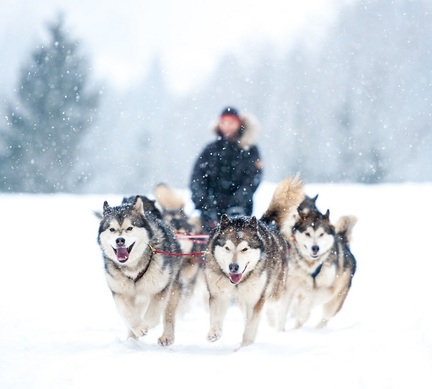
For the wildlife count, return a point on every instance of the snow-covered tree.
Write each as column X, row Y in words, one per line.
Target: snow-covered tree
column 45, row 125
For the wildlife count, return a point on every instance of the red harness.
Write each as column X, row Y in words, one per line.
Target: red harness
column 191, row 254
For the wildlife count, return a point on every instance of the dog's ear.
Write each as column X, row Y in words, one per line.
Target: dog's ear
column 138, row 205
column 327, row 215
column 253, row 222
column 224, row 221
column 106, row 208
column 314, row 199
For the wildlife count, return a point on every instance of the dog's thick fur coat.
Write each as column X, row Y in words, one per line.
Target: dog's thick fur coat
column 173, row 213
column 247, row 260
column 321, row 267
column 144, row 281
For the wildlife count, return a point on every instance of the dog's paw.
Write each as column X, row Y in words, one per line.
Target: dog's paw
column 214, row 335
column 166, row 340
column 137, row 332
column 246, row 342
column 131, row 335
column 322, row 324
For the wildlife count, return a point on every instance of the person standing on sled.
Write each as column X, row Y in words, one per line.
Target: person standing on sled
column 228, row 171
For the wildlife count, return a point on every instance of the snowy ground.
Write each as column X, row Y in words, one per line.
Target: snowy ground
column 59, row 327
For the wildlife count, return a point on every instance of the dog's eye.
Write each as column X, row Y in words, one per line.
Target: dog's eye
column 307, row 234
column 129, row 229
column 245, row 249
column 227, row 248
column 112, row 229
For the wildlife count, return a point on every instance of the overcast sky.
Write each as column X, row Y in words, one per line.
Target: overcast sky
column 121, row 37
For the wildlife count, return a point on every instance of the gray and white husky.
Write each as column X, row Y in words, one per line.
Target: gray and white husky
column 321, row 267
column 141, row 274
column 247, row 260
column 188, row 234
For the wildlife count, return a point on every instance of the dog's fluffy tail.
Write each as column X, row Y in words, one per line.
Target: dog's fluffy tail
column 344, row 226
column 286, row 198
column 167, row 197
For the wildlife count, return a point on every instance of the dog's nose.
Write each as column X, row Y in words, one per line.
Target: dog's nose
column 315, row 248
column 233, row 267
column 120, row 241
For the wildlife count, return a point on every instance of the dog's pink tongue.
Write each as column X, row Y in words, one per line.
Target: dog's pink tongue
column 122, row 254
column 235, row 277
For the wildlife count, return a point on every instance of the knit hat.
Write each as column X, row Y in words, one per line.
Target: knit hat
column 230, row 111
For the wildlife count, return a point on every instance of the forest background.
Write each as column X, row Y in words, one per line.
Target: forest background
column 346, row 102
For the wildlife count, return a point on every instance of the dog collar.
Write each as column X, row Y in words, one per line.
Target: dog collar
column 143, row 271
column 317, row 271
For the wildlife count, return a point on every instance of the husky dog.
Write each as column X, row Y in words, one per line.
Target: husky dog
column 283, row 218
column 247, row 259
column 173, row 213
column 142, row 276
column 321, row 267
column 308, row 205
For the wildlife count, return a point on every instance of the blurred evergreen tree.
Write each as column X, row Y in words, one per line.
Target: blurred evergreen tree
column 46, row 124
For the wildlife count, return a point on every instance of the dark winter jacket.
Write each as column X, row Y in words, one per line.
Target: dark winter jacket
column 227, row 173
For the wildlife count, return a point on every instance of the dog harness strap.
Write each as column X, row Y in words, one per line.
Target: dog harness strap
column 191, row 235
column 142, row 272
column 316, row 272
column 196, row 238
column 191, row 254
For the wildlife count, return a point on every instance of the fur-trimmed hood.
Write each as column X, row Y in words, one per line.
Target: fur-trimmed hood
column 251, row 129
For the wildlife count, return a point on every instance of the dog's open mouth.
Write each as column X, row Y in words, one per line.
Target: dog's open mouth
column 235, row 278
column 122, row 253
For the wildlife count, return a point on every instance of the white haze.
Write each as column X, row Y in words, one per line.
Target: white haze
column 123, row 38
column 59, row 327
